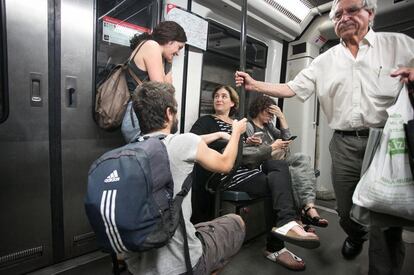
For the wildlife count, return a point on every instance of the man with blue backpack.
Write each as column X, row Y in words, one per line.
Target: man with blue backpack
column 191, row 249
column 212, row 243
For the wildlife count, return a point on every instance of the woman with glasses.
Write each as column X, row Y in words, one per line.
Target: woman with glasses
column 262, row 111
column 271, row 179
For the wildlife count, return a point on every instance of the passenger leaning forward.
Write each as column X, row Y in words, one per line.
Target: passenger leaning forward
column 151, row 60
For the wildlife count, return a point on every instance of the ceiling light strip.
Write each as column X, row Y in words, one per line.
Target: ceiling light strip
column 283, row 10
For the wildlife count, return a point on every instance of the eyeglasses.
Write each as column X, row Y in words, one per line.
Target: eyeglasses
column 352, row 11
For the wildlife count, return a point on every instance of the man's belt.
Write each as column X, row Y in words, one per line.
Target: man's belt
column 358, row 133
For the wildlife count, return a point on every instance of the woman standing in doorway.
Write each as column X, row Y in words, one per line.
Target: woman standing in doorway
column 151, row 60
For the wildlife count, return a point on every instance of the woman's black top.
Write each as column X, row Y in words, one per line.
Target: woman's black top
column 142, row 75
column 209, row 124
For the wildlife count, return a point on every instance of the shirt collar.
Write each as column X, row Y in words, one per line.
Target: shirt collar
column 369, row 39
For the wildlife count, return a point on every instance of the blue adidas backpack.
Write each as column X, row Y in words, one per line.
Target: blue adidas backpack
column 129, row 200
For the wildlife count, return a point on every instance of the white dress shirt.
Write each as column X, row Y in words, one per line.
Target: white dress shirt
column 354, row 92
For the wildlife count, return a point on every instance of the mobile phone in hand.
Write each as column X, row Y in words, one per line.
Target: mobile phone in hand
column 292, row 137
column 258, row 134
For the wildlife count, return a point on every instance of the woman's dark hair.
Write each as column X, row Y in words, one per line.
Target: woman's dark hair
column 163, row 33
column 260, row 104
column 234, row 97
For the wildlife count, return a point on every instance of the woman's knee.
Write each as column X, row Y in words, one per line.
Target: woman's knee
column 276, row 166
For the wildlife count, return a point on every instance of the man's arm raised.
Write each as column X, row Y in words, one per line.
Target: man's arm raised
column 209, row 138
column 276, row 90
column 214, row 161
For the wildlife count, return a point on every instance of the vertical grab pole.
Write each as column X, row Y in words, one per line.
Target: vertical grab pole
column 243, row 57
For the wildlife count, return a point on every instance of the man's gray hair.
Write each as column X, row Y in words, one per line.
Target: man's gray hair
column 367, row 4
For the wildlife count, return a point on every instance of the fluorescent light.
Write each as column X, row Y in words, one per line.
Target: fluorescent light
column 296, row 7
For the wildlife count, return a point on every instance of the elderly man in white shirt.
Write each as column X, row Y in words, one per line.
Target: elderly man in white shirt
column 355, row 81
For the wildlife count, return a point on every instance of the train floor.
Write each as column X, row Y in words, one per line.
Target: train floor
column 325, row 260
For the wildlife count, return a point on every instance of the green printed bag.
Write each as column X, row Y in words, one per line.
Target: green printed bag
column 387, row 186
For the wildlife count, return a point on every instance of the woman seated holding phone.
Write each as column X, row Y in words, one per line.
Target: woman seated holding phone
column 270, row 179
column 261, row 129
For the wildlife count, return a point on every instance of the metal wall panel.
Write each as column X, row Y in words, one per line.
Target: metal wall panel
column 82, row 140
column 301, row 116
column 24, row 146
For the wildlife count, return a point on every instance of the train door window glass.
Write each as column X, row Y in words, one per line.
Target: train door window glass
column 117, row 22
column 219, row 70
column 227, row 42
column 3, row 65
column 222, row 59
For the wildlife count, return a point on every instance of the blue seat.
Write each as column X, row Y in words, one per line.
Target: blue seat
column 252, row 210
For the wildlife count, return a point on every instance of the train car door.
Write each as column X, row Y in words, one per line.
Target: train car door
column 94, row 37
column 52, row 52
column 26, row 231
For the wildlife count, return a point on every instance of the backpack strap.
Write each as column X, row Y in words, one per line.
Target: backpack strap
column 186, row 248
column 142, row 138
column 185, row 188
column 131, row 58
column 179, row 198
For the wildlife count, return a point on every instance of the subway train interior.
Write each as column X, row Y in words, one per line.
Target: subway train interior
column 54, row 52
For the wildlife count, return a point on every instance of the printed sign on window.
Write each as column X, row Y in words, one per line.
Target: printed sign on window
column 119, row 32
column 195, row 27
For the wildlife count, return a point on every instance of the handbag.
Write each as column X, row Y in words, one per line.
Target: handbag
column 112, row 96
column 387, row 186
column 254, row 155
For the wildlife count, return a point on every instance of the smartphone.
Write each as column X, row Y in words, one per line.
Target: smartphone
column 258, row 134
column 292, row 137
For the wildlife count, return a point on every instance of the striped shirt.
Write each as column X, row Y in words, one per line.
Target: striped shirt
column 242, row 173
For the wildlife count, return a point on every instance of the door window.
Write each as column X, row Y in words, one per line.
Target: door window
column 222, row 59
column 117, row 22
column 225, row 41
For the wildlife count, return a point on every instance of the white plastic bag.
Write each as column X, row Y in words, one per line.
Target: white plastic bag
column 388, row 186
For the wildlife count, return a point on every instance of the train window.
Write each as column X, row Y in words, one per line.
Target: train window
column 227, row 42
column 3, row 65
column 117, row 22
column 222, row 59
column 219, row 70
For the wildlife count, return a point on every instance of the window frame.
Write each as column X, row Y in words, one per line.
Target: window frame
column 3, row 65
column 236, row 35
column 156, row 16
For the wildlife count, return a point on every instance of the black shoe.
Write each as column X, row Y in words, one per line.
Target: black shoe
column 351, row 249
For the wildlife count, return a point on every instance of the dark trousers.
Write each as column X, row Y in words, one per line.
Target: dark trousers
column 274, row 181
column 347, row 153
column 386, row 249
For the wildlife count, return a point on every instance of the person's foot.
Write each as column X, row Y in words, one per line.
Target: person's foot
column 293, row 233
column 307, row 227
column 285, row 258
column 311, row 216
column 351, row 249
